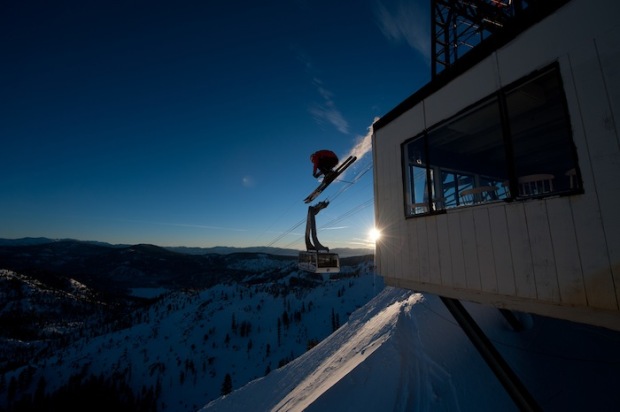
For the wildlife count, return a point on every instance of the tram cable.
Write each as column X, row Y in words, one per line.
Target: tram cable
column 343, row 216
column 349, row 213
column 286, row 233
column 337, row 219
column 349, row 184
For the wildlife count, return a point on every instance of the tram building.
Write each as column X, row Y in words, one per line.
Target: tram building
column 498, row 182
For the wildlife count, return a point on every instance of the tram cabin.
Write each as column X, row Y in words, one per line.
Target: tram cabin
column 319, row 262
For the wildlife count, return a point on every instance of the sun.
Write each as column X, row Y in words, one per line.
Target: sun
column 374, row 234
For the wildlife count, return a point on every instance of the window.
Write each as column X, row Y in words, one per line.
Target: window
column 541, row 137
column 514, row 144
column 419, row 177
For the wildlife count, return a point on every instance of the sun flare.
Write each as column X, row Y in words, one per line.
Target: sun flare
column 374, row 234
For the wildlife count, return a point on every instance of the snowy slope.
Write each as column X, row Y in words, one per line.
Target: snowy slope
column 392, row 349
column 404, row 352
column 180, row 348
column 375, row 362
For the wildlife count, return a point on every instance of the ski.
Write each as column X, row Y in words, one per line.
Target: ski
column 329, row 178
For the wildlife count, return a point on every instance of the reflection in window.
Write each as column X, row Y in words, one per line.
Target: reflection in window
column 453, row 184
column 479, row 155
column 418, row 175
column 541, row 136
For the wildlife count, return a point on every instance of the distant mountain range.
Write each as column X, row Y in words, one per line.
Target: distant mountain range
column 220, row 250
column 117, row 268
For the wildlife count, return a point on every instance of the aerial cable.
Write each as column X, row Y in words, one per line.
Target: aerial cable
column 343, row 216
column 349, row 184
column 276, row 221
column 283, row 234
column 349, row 213
column 342, row 190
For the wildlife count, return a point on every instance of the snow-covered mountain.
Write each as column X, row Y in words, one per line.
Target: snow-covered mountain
column 173, row 348
column 271, row 338
column 404, row 352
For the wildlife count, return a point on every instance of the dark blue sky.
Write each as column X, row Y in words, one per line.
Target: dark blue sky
column 191, row 123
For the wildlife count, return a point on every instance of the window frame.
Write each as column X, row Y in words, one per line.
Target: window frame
column 512, row 186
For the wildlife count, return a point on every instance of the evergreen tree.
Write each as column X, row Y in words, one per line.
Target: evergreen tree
column 285, row 319
column 335, row 320
column 227, row 385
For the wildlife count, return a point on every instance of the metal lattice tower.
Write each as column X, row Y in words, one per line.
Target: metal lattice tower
column 460, row 25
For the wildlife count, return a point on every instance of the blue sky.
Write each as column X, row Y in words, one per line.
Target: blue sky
column 191, row 123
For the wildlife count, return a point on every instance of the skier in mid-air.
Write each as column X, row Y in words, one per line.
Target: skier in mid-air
column 324, row 161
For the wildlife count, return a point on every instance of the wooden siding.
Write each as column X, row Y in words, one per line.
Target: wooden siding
column 502, row 253
column 557, row 256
